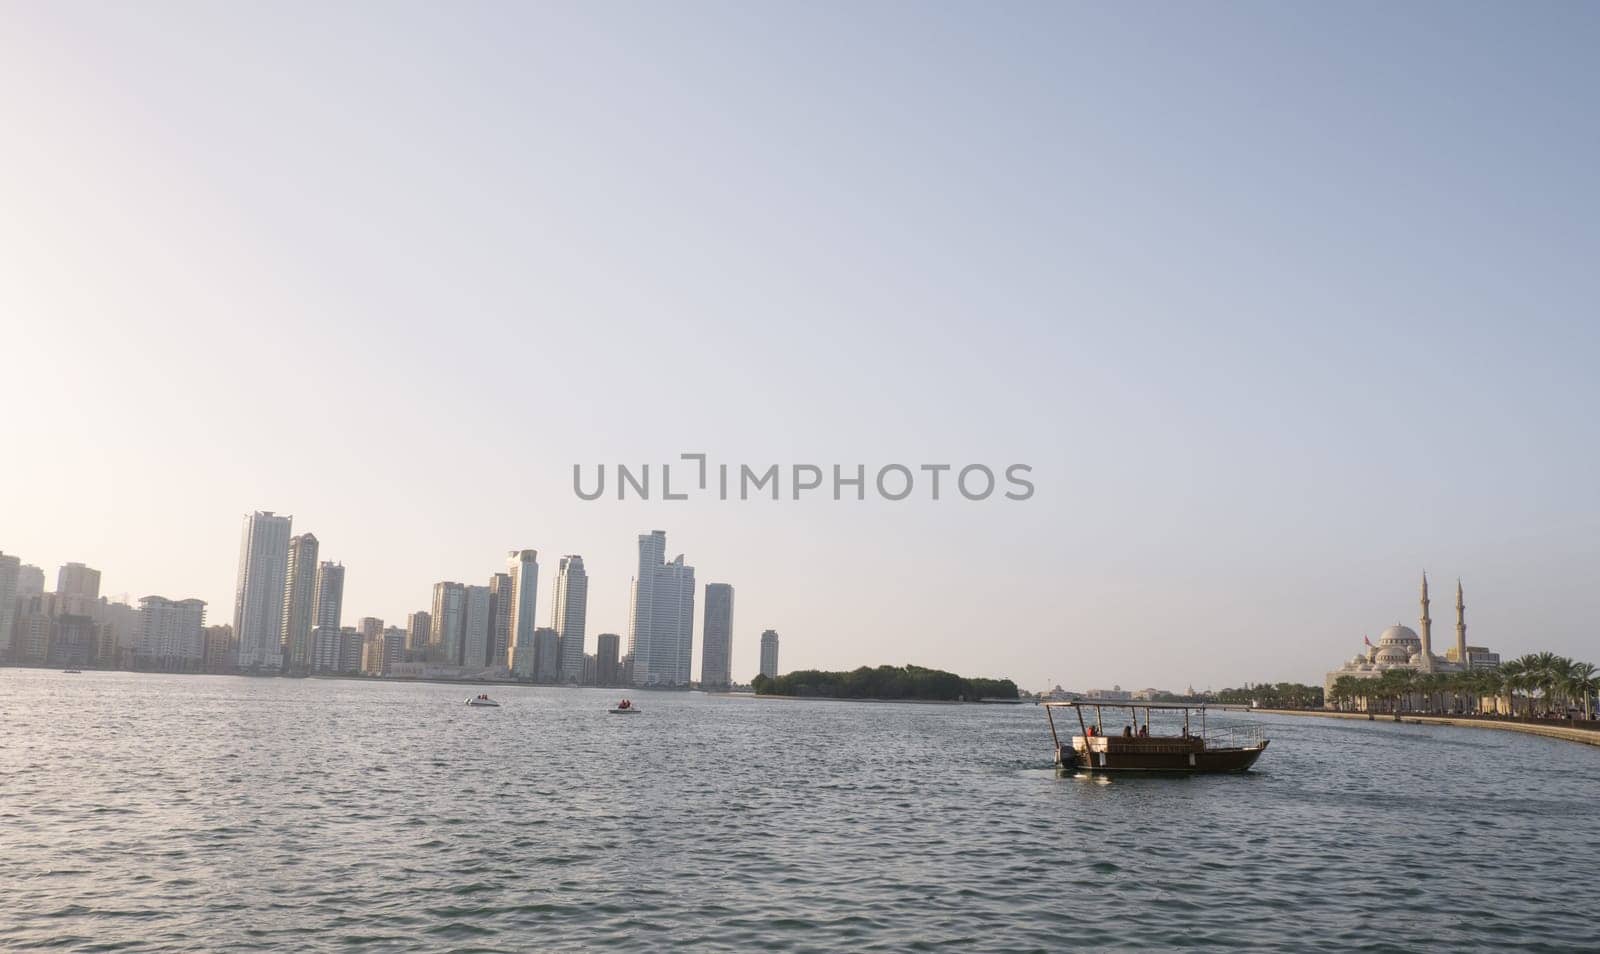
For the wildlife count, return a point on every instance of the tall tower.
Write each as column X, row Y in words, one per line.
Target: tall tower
column 1427, row 626
column 299, row 599
column 258, row 596
column 569, row 614
column 716, row 638
column 769, row 654
column 523, row 567
column 1461, row 627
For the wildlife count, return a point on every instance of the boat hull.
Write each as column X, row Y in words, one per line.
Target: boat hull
column 624, row 711
column 1159, row 759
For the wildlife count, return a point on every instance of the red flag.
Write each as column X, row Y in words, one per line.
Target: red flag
column 1366, row 640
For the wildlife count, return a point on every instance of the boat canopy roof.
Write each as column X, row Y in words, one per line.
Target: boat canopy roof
column 1131, row 704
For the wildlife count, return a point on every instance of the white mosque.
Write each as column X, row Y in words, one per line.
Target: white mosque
column 1401, row 648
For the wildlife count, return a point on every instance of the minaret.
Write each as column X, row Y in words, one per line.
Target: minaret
column 1461, row 627
column 1427, row 626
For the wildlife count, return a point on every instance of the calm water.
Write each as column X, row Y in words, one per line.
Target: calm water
column 216, row 813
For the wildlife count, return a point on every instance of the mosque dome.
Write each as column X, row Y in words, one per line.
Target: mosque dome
column 1393, row 654
column 1397, row 635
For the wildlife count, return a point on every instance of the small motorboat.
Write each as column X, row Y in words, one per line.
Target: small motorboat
column 72, row 672
column 482, row 699
column 625, row 707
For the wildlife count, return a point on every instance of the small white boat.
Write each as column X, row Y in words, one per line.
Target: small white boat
column 483, row 701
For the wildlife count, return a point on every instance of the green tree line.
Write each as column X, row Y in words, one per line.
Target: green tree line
column 885, row 682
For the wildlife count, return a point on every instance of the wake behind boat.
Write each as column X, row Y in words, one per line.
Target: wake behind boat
column 482, row 699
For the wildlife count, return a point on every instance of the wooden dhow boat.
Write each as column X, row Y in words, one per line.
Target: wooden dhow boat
column 1189, row 747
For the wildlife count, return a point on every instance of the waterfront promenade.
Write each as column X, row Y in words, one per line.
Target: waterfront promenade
column 1551, row 729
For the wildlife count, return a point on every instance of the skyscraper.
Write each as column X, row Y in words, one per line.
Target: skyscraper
column 547, row 653
column 661, row 626
column 769, row 654
column 716, row 637
column 78, row 587
column 500, row 598
column 10, row 568
column 299, row 600
column 258, row 597
column 476, row 626
column 608, row 661
column 523, row 567
column 449, row 622
column 568, row 613
column 30, row 582
column 419, row 630
column 327, row 612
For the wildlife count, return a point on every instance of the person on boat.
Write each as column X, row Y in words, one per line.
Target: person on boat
column 1127, row 732
column 1144, row 732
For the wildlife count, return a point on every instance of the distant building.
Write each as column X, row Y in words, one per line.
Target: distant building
column 118, row 628
column 547, row 655
column 299, row 601
column 78, row 589
column 419, row 629
column 383, row 651
column 221, row 653
column 769, row 654
column 500, row 600
column 30, row 582
column 327, row 643
column 607, row 662
column 1115, row 693
column 258, row 597
column 716, row 637
column 476, row 627
column 449, row 623
column 523, row 568
column 171, row 633
column 568, row 614
column 10, row 568
column 351, row 647
column 661, row 626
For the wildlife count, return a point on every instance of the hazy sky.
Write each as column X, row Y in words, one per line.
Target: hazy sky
column 1282, row 302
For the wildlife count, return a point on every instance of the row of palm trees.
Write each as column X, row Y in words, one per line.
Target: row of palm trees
column 1538, row 685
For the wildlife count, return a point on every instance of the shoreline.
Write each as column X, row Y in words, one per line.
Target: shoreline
column 1565, row 733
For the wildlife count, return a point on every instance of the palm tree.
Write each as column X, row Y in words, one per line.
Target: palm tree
column 1513, row 676
column 1583, row 681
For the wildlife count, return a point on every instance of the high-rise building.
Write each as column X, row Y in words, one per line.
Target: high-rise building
column 608, row 664
column 716, row 637
column 523, row 567
column 171, row 633
column 10, row 568
column 769, row 654
column 351, row 647
column 500, row 598
column 258, row 597
column 299, row 601
column 383, row 650
column 118, row 626
column 449, row 622
column 220, row 650
column 78, row 587
column 661, row 626
column 419, row 630
column 568, row 613
column 327, row 641
column 30, row 582
column 547, row 655
column 476, row 627
column 329, row 607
